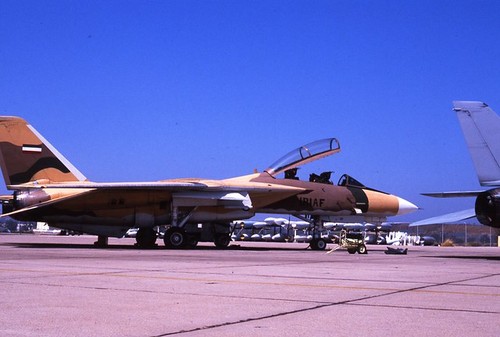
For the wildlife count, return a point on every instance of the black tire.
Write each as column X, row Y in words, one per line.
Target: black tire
column 222, row 240
column 351, row 250
column 318, row 244
column 362, row 249
column 175, row 238
column 191, row 241
column 146, row 237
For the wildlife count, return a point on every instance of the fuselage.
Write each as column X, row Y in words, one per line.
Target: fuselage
column 145, row 208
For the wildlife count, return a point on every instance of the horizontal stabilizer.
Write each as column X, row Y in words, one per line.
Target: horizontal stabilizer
column 46, row 203
column 447, row 218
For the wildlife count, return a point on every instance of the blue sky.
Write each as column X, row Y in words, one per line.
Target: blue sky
column 150, row 90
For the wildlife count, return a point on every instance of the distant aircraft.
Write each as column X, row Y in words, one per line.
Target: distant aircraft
column 48, row 188
column 481, row 129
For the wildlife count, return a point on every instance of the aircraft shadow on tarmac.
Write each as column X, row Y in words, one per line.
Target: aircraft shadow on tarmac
column 233, row 247
column 133, row 247
column 64, row 246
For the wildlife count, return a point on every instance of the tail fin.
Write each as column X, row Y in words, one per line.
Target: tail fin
column 481, row 128
column 26, row 156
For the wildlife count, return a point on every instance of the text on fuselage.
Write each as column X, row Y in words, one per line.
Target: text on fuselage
column 312, row 202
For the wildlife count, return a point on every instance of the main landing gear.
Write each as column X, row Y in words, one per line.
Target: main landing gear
column 146, row 237
column 185, row 235
column 222, row 240
column 178, row 238
column 175, row 237
column 102, row 241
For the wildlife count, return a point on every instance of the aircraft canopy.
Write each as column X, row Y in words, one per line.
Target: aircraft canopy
column 305, row 154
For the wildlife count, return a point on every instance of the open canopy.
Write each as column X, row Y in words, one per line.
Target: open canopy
column 305, row 154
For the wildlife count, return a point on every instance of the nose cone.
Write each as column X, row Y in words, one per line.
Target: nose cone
column 405, row 206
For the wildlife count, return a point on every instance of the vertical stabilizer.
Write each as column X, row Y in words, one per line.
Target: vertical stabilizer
column 481, row 128
column 26, row 156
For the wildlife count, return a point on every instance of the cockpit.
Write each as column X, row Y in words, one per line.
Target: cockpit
column 347, row 180
column 304, row 154
column 290, row 163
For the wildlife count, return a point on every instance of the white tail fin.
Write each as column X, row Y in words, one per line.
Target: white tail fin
column 481, row 128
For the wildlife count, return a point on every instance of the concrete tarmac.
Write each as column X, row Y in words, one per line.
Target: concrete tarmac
column 64, row 286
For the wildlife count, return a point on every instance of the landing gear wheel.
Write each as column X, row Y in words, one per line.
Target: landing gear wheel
column 362, row 249
column 146, row 237
column 351, row 250
column 191, row 241
column 175, row 238
column 222, row 240
column 318, row 244
column 102, row 241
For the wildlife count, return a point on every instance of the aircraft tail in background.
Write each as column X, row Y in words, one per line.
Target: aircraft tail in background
column 481, row 129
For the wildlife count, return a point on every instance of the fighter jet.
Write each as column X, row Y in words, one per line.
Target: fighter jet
column 481, row 128
column 48, row 188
